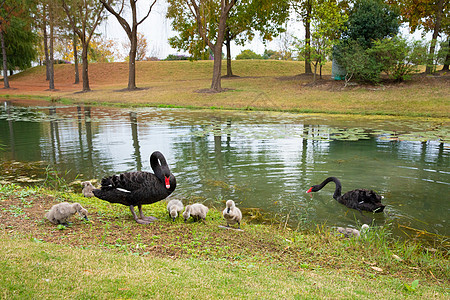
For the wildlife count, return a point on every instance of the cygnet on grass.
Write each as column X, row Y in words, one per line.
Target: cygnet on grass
column 174, row 207
column 197, row 211
column 60, row 213
column 232, row 214
column 87, row 189
column 348, row 232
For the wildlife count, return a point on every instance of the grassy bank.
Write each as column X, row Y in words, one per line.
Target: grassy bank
column 261, row 85
column 113, row 257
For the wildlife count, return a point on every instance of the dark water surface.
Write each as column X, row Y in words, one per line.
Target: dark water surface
column 260, row 160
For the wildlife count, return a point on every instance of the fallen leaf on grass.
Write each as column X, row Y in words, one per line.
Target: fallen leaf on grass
column 397, row 257
column 377, row 269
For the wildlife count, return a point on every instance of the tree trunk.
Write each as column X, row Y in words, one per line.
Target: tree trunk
column 315, row 72
column 447, row 58
column 5, row 65
column 228, row 45
column 47, row 59
column 216, row 84
column 307, row 22
column 84, row 72
column 132, row 61
column 51, row 72
column 75, row 58
column 437, row 28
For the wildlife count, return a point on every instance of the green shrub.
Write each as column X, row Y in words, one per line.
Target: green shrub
column 398, row 58
column 248, row 54
column 357, row 62
column 176, row 57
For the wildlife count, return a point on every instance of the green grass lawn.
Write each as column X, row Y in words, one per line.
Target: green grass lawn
column 114, row 257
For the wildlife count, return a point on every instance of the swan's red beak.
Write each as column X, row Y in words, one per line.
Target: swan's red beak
column 167, row 182
column 310, row 190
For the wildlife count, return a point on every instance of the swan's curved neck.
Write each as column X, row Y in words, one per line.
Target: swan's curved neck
column 337, row 191
column 157, row 162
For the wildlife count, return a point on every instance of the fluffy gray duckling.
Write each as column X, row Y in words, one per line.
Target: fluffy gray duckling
column 232, row 214
column 349, row 232
column 174, row 207
column 197, row 211
column 87, row 189
column 60, row 213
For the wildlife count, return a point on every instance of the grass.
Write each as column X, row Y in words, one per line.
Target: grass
column 262, row 85
column 114, row 257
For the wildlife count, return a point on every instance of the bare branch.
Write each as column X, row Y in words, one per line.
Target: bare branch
column 119, row 18
column 148, row 13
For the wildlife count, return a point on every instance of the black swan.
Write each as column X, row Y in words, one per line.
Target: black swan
column 138, row 188
column 360, row 199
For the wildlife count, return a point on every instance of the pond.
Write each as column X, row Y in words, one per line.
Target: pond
column 262, row 160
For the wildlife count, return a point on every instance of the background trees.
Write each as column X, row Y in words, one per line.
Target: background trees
column 245, row 19
column 15, row 21
column 21, row 41
column 204, row 26
column 249, row 17
column 131, row 31
column 429, row 15
column 369, row 21
column 328, row 21
column 84, row 17
column 210, row 18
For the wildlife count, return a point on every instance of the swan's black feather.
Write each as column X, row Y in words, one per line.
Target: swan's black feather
column 137, row 188
column 360, row 199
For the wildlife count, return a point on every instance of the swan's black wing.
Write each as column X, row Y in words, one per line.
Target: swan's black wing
column 132, row 188
column 362, row 199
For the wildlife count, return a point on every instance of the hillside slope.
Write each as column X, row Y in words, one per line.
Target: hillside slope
column 262, row 84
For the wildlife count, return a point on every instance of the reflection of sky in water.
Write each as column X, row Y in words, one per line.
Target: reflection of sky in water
column 265, row 160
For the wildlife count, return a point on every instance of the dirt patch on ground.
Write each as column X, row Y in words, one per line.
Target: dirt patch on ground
column 326, row 83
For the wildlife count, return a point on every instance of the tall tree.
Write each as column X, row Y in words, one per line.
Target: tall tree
column 210, row 18
column 51, row 19
column 446, row 63
column 10, row 9
column 248, row 17
column 328, row 23
column 245, row 19
column 20, row 43
column 368, row 21
column 42, row 24
column 84, row 17
column 371, row 20
column 75, row 57
column 304, row 9
column 430, row 15
column 51, row 61
column 131, row 30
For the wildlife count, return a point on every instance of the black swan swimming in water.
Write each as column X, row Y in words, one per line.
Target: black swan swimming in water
column 360, row 199
column 138, row 188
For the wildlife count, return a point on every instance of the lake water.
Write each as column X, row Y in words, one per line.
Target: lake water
column 261, row 160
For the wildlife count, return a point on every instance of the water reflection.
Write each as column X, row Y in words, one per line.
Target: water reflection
column 261, row 160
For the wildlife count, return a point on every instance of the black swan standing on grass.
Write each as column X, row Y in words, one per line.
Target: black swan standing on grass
column 360, row 199
column 138, row 188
